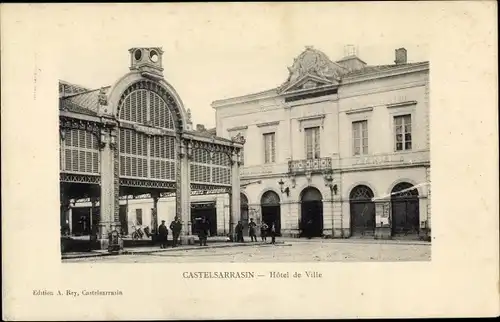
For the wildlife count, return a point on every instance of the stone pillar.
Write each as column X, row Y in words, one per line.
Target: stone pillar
column 154, row 213
column 94, row 230
column 183, row 202
column 65, row 213
column 383, row 219
column 70, row 220
column 428, row 224
column 107, row 198
column 294, row 219
column 235, row 192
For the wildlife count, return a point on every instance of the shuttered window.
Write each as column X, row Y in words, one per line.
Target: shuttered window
column 210, row 167
column 312, row 143
column 144, row 156
column 80, row 152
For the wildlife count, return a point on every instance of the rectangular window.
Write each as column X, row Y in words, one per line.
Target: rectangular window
column 402, row 130
column 360, row 137
column 138, row 216
column 269, row 148
column 312, row 143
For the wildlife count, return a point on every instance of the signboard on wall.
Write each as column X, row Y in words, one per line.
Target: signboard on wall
column 382, row 214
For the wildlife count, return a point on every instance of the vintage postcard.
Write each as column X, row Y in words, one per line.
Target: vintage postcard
column 249, row 160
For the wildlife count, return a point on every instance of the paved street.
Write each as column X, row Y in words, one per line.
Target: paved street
column 294, row 251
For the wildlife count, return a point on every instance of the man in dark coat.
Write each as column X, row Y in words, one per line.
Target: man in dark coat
column 203, row 231
column 263, row 231
column 252, row 226
column 239, row 232
column 176, row 227
column 163, row 234
column 273, row 233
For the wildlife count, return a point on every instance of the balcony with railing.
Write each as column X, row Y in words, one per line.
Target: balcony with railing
column 310, row 165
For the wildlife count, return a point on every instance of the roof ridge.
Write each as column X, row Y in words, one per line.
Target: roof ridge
column 86, row 92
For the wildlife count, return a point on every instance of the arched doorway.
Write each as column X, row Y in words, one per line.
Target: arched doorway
column 244, row 213
column 405, row 210
column 362, row 211
column 311, row 212
column 270, row 208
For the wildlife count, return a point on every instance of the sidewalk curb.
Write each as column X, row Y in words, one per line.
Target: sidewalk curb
column 131, row 252
column 190, row 247
column 365, row 242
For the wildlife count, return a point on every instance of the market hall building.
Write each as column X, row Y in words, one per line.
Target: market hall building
column 341, row 148
column 132, row 140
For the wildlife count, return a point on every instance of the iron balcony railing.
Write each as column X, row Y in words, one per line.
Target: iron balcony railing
column 309, row 165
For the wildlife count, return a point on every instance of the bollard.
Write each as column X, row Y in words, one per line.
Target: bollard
column 114, row 242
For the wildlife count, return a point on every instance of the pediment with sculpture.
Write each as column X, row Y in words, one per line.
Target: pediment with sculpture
column 312, row 68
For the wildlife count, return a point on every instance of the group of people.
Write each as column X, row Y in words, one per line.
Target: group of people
column 202, row 227
column 175, row 226
column 252, row 228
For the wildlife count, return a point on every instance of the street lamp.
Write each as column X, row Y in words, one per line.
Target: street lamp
column 286, row 189
column 328, row 177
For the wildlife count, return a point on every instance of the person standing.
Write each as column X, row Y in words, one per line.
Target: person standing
column 203, row 231
column 163, row 232
column 239, row 232
column 273, row 233
column 263, row 231
column 251, row 229
column 176, row 227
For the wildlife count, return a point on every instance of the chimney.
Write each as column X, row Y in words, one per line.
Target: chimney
column 200, row 127
column 400, row 56
column 350, row 50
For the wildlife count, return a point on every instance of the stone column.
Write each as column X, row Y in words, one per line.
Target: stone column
column 383, row 219
column 65, row 213
column 183, row 202
column 107, row 202
column 154, row 214
column 94, row 230
column 235, row 192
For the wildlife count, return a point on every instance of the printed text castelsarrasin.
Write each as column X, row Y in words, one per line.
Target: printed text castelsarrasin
column 229, row 275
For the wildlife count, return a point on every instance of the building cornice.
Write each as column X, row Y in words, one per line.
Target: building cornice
column 359, row 110
column 238, row 128
column 386, row 73
column 268, row 94
column 268, row 124
column 401, row 104
column 273, row 93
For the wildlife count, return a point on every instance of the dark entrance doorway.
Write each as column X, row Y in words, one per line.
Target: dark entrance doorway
column 80, row 221
column 362, row 212
column 207, row 210
column 244, row 213
column 271, row 210
column 405, row 210
column 311, row 213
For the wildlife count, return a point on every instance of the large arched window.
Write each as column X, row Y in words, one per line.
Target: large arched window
column 146, row 107
column 270, row 198
column 146, row 155
column 404, row 190
column 361, row 192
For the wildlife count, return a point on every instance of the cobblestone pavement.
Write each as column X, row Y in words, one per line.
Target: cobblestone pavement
column 310, row 251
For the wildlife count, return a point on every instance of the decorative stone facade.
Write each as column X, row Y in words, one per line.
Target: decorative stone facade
column 331, row 97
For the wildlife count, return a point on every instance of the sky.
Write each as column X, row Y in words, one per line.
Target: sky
column 216, row 51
